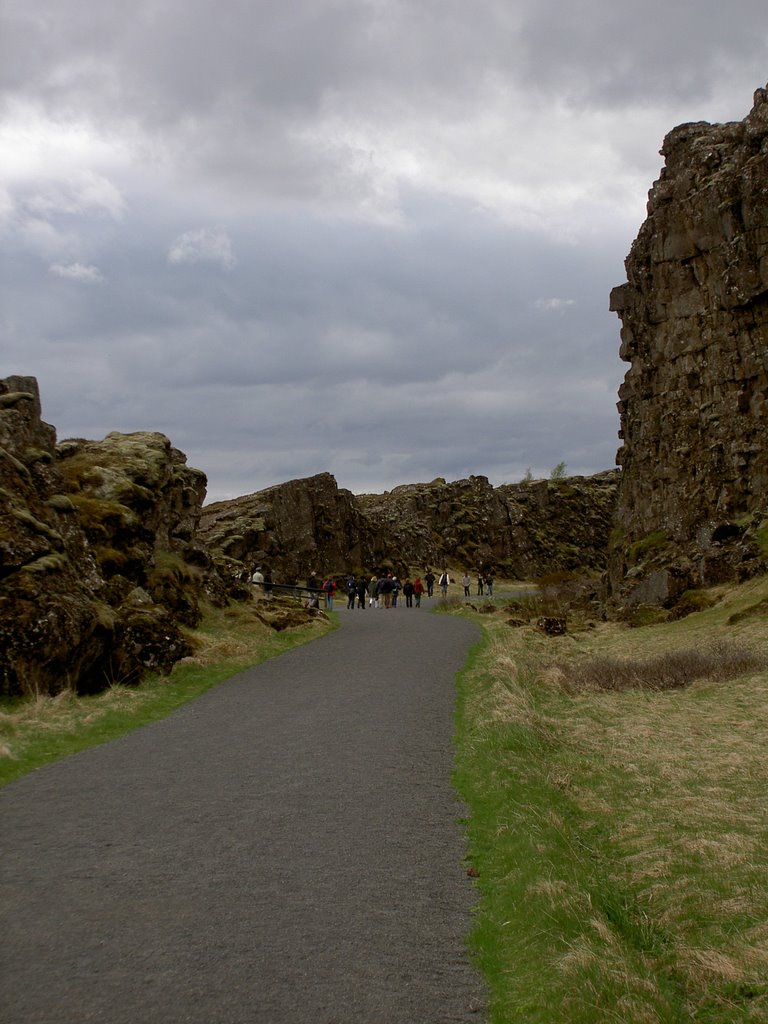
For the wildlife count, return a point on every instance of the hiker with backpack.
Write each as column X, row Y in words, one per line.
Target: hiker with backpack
column 329, row 588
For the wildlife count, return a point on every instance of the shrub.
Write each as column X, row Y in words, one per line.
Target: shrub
column 669, row 671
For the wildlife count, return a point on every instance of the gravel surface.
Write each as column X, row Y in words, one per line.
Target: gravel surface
column 284, row 849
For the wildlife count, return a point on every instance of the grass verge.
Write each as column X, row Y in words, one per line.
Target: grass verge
column 620, row 834
column 34, row 731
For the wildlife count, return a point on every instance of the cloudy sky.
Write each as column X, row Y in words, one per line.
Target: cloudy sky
column 374, row 237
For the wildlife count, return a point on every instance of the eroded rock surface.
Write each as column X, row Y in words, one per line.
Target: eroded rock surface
column 693, row 500
column 93, row 578
column 524, row 530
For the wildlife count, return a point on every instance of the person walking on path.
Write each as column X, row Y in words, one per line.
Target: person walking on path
column 386, row 586
column 465, row 582
column 429, row 579
column 408, row 593
column 395, row 590
column 351, row 592
column 312, row 587
column 362, row 592
column 443, row 582
column 418, row 590
column 489, row 585
column 257, row 580
column 480, row 584
column 373, row 591
column 329, row 587
column 284, row 849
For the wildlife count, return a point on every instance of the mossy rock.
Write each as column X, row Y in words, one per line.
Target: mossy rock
column 12, row 398
column 101, row 517
column 691, row 601
column 46, row 564
column 33, row 455
column 37, row 526
column 645, row 615
column 761, row 538
column 652, row 542
column 61, row 503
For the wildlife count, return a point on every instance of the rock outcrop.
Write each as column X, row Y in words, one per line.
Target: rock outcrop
column 139, row 505
column 291, row 528
column 693, row 502
column 93, row 540
column 523, row 530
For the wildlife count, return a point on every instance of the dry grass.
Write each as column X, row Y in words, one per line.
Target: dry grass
column 671, row 670
column 656, row 738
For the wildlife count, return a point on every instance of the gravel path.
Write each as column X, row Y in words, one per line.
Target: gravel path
column 282, row 850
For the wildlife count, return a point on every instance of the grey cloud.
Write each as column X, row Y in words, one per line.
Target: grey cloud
column 77, row 272
column 290, row 237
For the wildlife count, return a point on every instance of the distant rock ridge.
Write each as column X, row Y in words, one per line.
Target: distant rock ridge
column 693, row 500
column 523, row 530
column 106, row 549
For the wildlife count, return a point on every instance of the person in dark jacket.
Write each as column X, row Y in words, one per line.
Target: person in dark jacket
column 312, row 587
column 362, row 592
column 408, row 593
column 386, row 586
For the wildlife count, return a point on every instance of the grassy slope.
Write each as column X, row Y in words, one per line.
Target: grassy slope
column 619, row 838
column 34, row 732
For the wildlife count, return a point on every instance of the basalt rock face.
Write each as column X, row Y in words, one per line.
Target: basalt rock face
column 524, row 530
column 693, row 501
column 520, row 530
column 94, row 539
column 291, row 528
column 139, row 505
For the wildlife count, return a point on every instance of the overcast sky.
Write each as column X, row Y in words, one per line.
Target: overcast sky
column 374, row 237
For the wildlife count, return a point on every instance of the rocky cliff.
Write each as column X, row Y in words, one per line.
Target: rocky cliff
column 693, row 501
column 98, row 565
column 522, row 530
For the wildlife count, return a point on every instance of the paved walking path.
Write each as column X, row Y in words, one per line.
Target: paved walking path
column 283, row 850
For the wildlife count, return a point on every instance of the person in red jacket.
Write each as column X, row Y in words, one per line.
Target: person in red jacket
column 418, row 590
column 329, row 588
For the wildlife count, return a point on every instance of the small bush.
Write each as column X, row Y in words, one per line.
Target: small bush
column 673, row 670
column 526, row 608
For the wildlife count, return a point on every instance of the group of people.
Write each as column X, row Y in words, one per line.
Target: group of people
column 484, row 584
column 381, row 590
